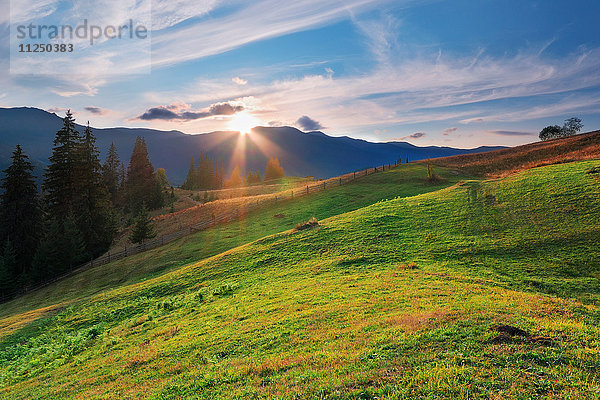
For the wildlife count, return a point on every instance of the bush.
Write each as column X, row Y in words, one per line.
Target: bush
column 223, row 290
column 308, row 224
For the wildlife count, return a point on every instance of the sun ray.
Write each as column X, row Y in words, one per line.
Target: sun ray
column 243, row 122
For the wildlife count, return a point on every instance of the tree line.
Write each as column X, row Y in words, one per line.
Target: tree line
column 76, row 215
column 208, row 174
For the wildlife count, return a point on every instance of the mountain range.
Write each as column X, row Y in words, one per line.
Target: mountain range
column 301, row 153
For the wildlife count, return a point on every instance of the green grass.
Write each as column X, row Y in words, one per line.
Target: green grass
column 407, row 180
column 394, row 300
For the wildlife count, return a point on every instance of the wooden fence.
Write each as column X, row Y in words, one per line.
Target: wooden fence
column 210, row 222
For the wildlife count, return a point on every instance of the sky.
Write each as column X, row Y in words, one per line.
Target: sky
column 460, row 73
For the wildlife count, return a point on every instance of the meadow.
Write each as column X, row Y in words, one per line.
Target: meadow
column 501, row 163
column 407, row 180
column 409, row 297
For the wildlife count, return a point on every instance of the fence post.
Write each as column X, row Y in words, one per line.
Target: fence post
column 109, row 256
column 306, row 189
column 292, row 194
column 125, row 250
column 354, row 177
column 323, row 185
column 340, row 181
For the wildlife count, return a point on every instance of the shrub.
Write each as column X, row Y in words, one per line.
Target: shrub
column 410, row 265
column 308, row 224
column 223, row 290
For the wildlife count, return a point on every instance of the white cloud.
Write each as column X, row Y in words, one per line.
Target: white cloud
column 239, row 81
column 254, row 21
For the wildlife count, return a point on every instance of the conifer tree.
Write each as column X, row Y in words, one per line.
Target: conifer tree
column 47, row 260
column 273, row 170
column 236, row 179
column 95, row 216
column 61, row 249
column 9, row 281
column 144, row 227
column 219, row 174
column 253, row 177
column 60, row 183
column 20, row 213
column 190, row 180
column 257, row 176
column 110, row 173
column 142, row 185
column 161, row 176
column 73, row 247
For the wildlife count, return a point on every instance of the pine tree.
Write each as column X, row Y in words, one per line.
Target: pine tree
column 257, row 177
column 95, row 217
column 20, row 213
column 190, row 180
column 8, row 265
column 273, row 170
column 60, row 183
column 161, row 176
column 110, row 173
column 205, row 173
column 7, row 283
column 253, row 177
column 236, row 179
column 73, row 246
column 61, row 249
column 142, row 185
column 219, row 175
column 47, row 260
column 144, row 227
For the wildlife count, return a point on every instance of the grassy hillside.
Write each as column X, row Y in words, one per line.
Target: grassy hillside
column 407, row 180
column 504, row 162
column 395, row 300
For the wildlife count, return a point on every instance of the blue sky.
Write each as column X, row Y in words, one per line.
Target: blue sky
column 457, row 73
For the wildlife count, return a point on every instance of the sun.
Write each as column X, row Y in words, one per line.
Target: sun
column 243, row 122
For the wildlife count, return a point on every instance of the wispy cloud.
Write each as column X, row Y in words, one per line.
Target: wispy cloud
column 449, row 131
column 239, row 81
column 511, row 133
column 96, row 110
column 254, row 21
column 416, row 135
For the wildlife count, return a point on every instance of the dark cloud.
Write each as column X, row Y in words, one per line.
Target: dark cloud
column 308, row 124
column 416, row 135
column 96, row 110
column 511, row 133
column 224, row 109
column 159, row 113
column 448, row 131
column 175, row 112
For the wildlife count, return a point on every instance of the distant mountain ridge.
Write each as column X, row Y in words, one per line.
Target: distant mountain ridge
column 301, row 153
